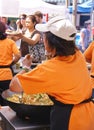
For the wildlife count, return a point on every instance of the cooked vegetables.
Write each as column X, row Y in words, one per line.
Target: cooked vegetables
column 31, row 99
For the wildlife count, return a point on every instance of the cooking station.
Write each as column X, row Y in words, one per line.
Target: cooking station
column 10, row 121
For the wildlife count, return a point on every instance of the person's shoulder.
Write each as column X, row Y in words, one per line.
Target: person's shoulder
column 83, row 30
column 36, row 32
column 92, row 43
column 11, row 41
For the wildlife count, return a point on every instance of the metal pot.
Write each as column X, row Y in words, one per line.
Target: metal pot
column 35, row 113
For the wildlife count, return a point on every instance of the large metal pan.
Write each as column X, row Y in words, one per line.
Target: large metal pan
column 39, row 114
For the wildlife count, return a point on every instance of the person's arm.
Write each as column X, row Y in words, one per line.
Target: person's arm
column 14, row 38
column 31, row 41
column 15, row 84
column 16, row 58
column 16, row 53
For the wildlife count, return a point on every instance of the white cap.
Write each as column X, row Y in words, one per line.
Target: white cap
column 60, row 27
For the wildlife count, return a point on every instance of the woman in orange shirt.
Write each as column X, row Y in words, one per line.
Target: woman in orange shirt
column 61, row 77
column 9, row 55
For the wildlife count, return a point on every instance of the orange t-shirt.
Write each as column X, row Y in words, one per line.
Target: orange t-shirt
column 89, row 55
column 68, row 80
column 8, row 48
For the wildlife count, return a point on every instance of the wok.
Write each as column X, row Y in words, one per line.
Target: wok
column 35, row 113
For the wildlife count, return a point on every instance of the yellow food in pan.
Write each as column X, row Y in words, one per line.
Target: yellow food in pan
column 33, row 99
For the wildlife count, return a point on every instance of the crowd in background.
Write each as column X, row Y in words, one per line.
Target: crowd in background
column 32, row 41
column 83, row 38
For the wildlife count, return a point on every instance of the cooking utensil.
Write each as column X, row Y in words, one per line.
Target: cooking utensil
column 21, row 97
column 35, row 113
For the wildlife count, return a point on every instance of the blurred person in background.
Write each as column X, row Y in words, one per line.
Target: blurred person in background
column 85, row 38
column 4, row 20
column 21, row 23
column 39, row 16
column 30, row 41
column 9, row 25
column 61, row 77
column 9, row 55
column 21, row 26
column 39, row 19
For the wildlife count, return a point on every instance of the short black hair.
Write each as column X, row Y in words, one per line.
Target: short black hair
column 62, row 46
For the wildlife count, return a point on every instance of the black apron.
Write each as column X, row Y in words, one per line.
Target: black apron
column 8, row 66
column 60, row 113
column 5, row 84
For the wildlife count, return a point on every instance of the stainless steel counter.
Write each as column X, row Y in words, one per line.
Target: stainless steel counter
column 11, row 122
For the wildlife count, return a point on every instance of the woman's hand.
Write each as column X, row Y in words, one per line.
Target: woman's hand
column 27, row 61
column 15, row 85
column 18, row 35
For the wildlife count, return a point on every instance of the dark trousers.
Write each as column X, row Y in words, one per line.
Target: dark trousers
column 3, row 86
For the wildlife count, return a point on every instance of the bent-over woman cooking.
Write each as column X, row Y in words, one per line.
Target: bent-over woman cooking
column 61, row 77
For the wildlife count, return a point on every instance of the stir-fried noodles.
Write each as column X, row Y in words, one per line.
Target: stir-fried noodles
column 31, row 99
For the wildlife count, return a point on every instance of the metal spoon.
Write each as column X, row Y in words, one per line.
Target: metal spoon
column 21, row 97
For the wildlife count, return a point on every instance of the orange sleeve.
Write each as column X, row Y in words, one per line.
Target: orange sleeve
column 88, row 52
column 36, row 81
